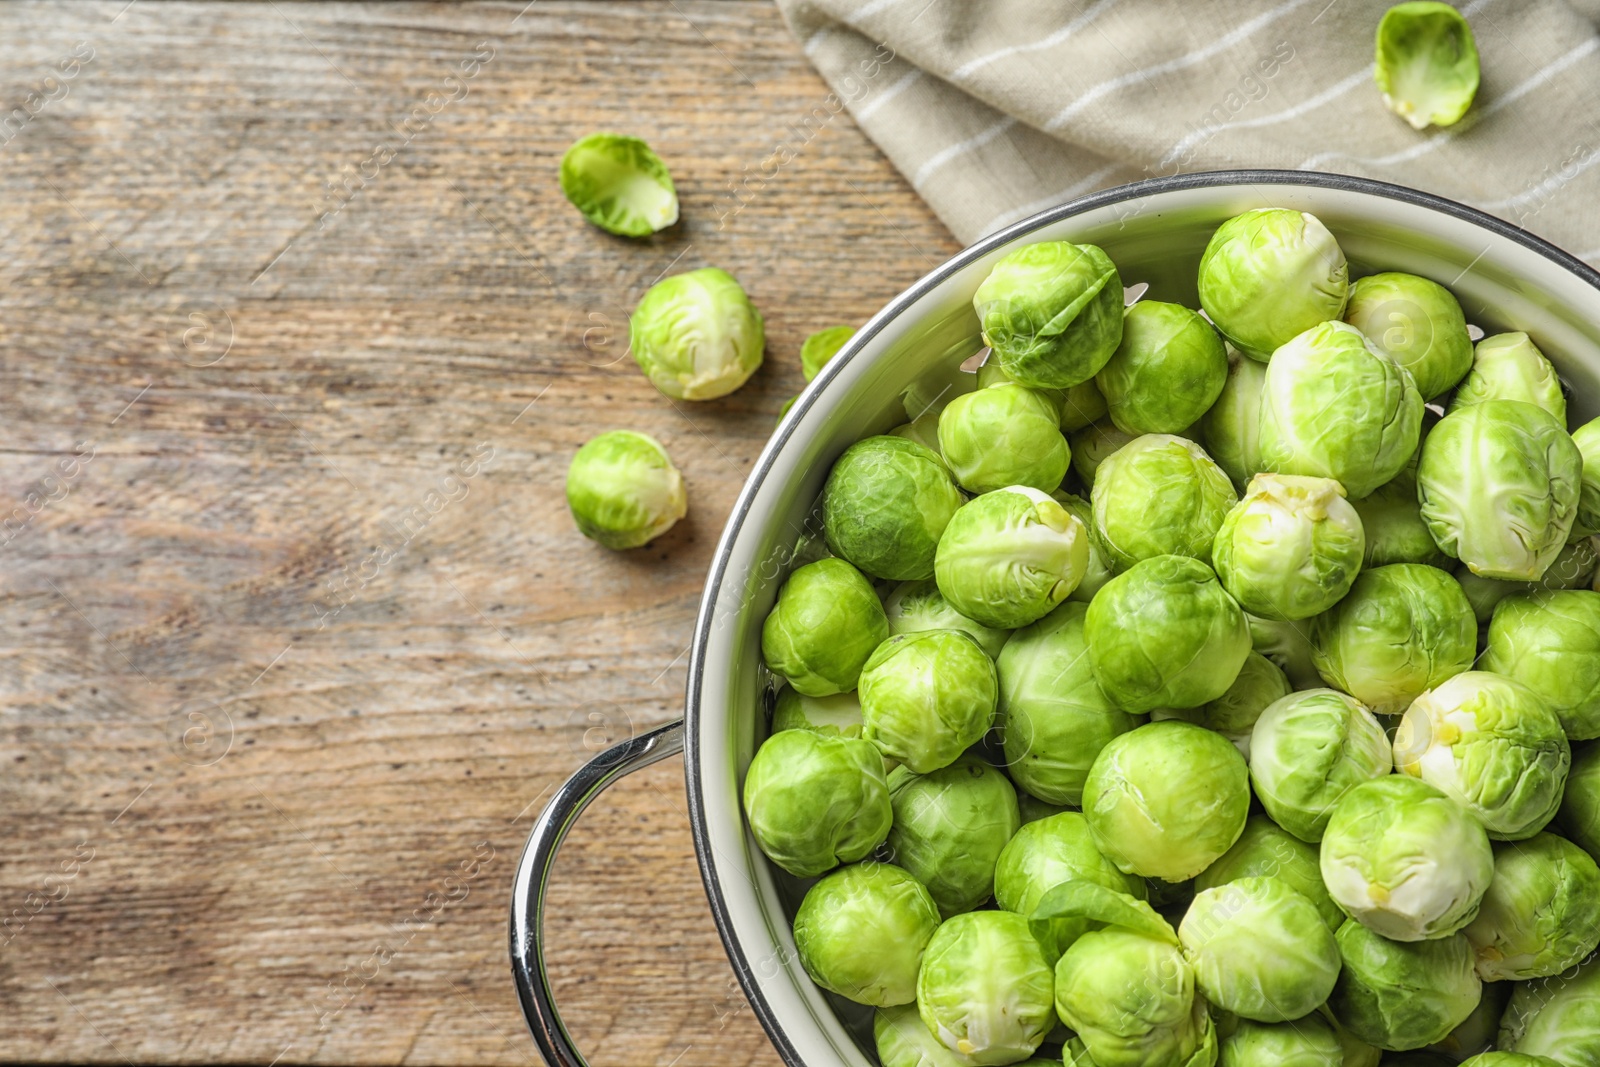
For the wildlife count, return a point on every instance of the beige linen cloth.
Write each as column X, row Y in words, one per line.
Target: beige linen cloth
column 996, row 109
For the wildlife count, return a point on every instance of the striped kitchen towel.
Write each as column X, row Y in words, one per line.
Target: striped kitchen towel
column 996, row 110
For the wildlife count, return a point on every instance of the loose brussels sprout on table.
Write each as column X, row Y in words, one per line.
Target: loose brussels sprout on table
column 1159, row 495
column 623, row 490
column 949, row 828
column 1291, row 548
column 1166, row 373
column 1269, row 275
column 619, row 184
column 885, row 505
column 1052, row 313
column 1010, row 556
column 696, row 336
column 815, row 801
column 861, row 932
column 927, row 697
column 1427, row 63
column 1003, row 435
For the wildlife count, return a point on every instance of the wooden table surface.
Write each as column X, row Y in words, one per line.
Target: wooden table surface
column 298, row 337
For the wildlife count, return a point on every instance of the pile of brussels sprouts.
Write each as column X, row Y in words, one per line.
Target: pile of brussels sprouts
column 1203, row 686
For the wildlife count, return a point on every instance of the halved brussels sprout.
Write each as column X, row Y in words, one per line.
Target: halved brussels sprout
column 985, row 989
column 1490, row 744
column 1307, row 751
column 822, row 346
column 1100, row 569
column 1427, row 65
column 1509, row 366
column 1232, row 426
column 1541, row 914
column 949, row 828
column 1010, row 556
column 927, row 697
column 1233, row 714
column 838, row 715
column 1004, row 435
column 1159, row 495
column 1265, row 849
column 885, row 505
column 1168, row 370
column 1043, row 854
column 1391, row 519
column 862, row 930
column 619, row 184
column 1402, row 995
column 1091, row 446
column 1308, row 1042
column 1270, row 274
column 1579, row 816
column 825, row 625
column 1405, row 860
column 1291, row 548
column 623, row 490
column 696, row 336
column 815, row 801
column 1550, row 642
column 1052, row 313
column 1416, row 323
column 1556, row 1018
column 917, row 606
column 1288, row 645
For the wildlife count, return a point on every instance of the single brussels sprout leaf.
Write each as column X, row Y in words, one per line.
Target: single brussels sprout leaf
column 1416, row 323
column 1099, row 904
column 1291, row 548
column 838, row 715
column 1101, row 569
column 885, row 505
column 1270, row 274
column 1308, row 1042
column 1556, row 1018
column 1391, row 520
column 619, row 184
column 1406, row 861
column 1267, row 850
column 815, row 801
column 1307, row 751
column 914, row 607
column 861, row 932
column 623, row 490
column 949, row 829
column 1402, row 995
column 1579, row 816
column 1288, row 645
column 985, row 988
column 1046, row 853
column 1167, row 371
column 1091, row 447
column 1492, row 745
column 822, row 346
column 1131, row 999
column 1509, row 366
column 696, row 336
column 902, row 1039
column 1159, row 495
column 1427, row 63
column 1004, row 435
column 1587, row 438
column 1541, row 914
column 825, row 625
column 1550, row 642
column 1232, row 426
column 1052, row 312
column 927, row 697
column 1010, row 556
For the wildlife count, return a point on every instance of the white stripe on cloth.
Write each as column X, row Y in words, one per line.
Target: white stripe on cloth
column 1593, row 256
column 1077, row 188
column 901, row 85
column 1331, row 93
column 1092, row 12
column 977, row 140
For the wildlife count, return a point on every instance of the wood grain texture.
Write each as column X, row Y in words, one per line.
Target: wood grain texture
column 298, row 335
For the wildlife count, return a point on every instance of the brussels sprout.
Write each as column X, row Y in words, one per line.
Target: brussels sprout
column 1041, row 856
column 1391, row 520
column 1288, row 645
column 1091, row 446
column 696, row 336
column 619, row 185
column 1509, row 366
column 1159, row 495
column 1032, row 809
column 985, row 989
column 1402, row 630
column 923, row 430
column 1307, row 751
column 927, row 697
column 1165, row 800
column 1266, row 850
column 903, row 1040
column 1308, row 1042
column 1405, row 860
column 1168, row 370
column 1100, row 569
column 1270, row 274
column 886, row 502
column 827, row 621
column 1490, row 744
column 1558, row 1019
column 1579, row 816
column 1165, row 634
column 815, row 801
column 914, row 607
column 1402, row 995
column 1477, row 1034
column 1427, row 63
column 1499, row 486
column 1052, row 313
column 1573, row 568
column 623, row 489
column 1416, row 323
column 949, row 828
column 1259, row 949
column 1053, row 715
column 1010, row 556
column 1587, row 438
column 1550, row 642
column 1508, row 1059
column 1291, row 548
column 822, row 346
column 1234, row 713
column 1335, row 407
column 1082, row 406
column 837, row 715
column 1004, row 435
column 1541, row 914
column 1232, row 427
column 862, row 930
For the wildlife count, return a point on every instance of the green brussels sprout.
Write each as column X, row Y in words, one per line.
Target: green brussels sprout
column 914, row 607
column 991, row 374
column 1053, row 715
column 1558, row 1019
column 696, row 336
column 1232, row 426
column 1550, row 642
column 1165, row 800
column 1291, row 548
column 1427, row 63
column 1391, row 520
column 1159, row 495
column 1574, row 568
column 885, row 505
column 861, row 932
column 1508, row 1059
column 1288, row 645
column 1082, row 406
column 1032, row 809
column 1164, row 634
column 1406, row 861
column 923, row 430
column 904, row 1040
column 985, row 989
column 1042, row 855
column 1269, row 275
column 1499, row 485
column 1090, row 447
column 1402, row 995
column 1477, row 1034
column 1167, row 371
column 1587, row 438
column 1010, row 556
column 623, row 490
column 1579, row 816
column 949, row 828
column 1267, row 850
column 1400, row 631
column 1416, row 323
column 927, row 697
column 838, row 715
column 1493, row 746
column 825, row 625
column 815, row 801
column 1052, row 313
column 619, row 184
column 1307, row 751
column 1259, row 949
column 822, row 346
column 1335, row 407
column 1308, row 1042
column 1233, row 714
column 1100, row 570
column 1541, row 913
column 1004, row 435
column 1509, row 366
